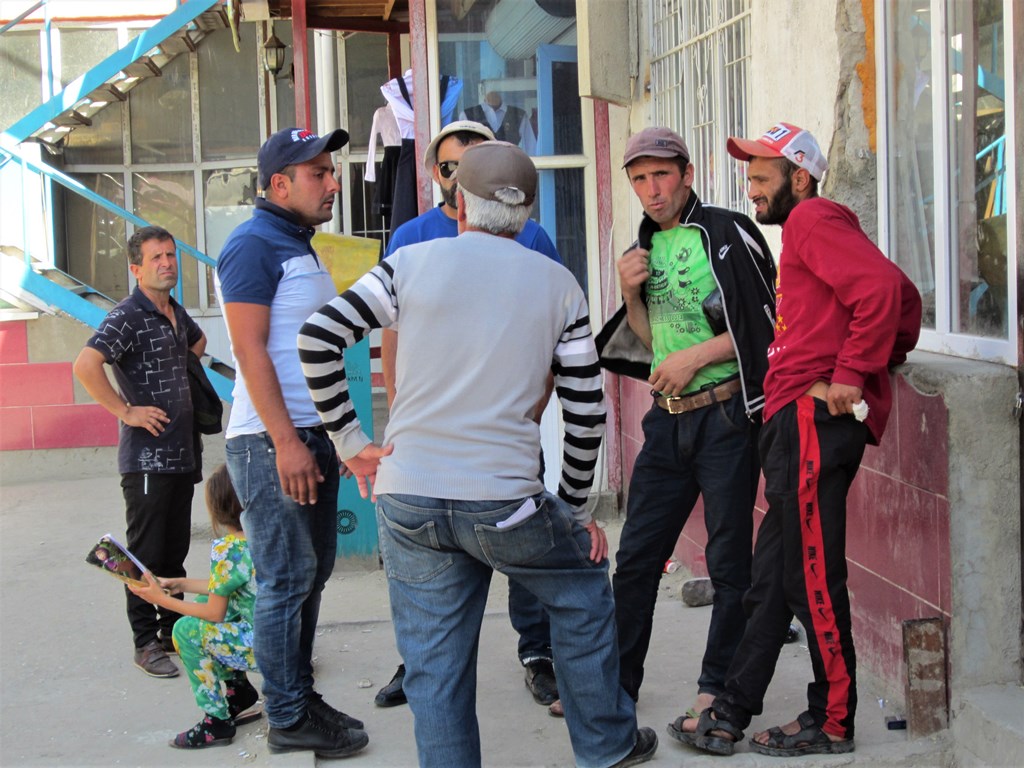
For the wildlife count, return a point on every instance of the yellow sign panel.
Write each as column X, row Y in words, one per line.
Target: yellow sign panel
column 346, row 257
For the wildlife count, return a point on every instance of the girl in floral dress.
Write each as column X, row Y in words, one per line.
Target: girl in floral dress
column 213, row 637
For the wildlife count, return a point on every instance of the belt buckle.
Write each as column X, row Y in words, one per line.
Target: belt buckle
column 672, row 407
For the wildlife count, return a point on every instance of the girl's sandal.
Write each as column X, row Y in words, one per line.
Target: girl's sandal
column 208, row 732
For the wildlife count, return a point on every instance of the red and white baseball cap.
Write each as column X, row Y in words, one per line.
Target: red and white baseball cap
column 783, row 140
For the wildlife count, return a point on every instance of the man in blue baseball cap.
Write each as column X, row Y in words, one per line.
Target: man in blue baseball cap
column 283, row 466
column 293, row 146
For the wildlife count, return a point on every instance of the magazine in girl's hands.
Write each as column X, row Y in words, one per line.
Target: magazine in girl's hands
column 109, row 555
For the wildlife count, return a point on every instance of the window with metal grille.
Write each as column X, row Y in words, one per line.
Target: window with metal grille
column 700, row 58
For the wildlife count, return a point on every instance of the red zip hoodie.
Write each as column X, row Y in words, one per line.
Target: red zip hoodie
column 845, row 314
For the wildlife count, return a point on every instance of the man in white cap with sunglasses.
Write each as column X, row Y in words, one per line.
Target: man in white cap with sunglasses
column 845, row 315
column 526, row 614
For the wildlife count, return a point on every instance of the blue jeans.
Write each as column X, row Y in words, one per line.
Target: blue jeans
column 439, row 556
column 711, row 452
column 293, row 550
column 530, row 620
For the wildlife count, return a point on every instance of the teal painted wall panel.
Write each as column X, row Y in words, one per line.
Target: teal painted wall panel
column 357, row 517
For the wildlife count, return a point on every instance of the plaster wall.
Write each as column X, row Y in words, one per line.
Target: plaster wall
column 794, row 71
column 984, row 516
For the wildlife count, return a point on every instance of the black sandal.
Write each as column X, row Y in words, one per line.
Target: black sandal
column 703, row 738
column 243, row 700
column 208, row 732
column 809, row 740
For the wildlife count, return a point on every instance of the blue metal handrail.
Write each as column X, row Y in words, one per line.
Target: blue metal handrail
column 108, row 68
column 69, row 302
column 18, row 19
column 79, row 188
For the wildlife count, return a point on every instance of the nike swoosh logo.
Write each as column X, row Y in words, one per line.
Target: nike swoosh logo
column 724, row 250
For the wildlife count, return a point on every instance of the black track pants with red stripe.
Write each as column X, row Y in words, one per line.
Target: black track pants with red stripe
column 809, row 460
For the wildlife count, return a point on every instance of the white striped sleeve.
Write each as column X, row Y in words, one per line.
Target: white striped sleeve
column 578, row 385
column 338, row 325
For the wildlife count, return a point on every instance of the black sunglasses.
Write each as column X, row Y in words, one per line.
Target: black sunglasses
column 448, row 168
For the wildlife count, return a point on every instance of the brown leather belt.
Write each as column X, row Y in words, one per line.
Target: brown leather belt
column 702, row 399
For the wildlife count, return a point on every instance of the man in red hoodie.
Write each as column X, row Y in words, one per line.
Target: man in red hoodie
column 845, row 315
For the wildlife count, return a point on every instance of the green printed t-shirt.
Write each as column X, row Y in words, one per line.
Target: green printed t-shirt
column 680, row 280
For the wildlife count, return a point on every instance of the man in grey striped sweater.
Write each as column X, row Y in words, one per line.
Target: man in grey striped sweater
column 482, row 326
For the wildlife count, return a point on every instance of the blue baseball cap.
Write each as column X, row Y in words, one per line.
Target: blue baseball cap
column 292, row 146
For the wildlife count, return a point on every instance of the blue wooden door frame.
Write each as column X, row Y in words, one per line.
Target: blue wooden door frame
column 546, row 56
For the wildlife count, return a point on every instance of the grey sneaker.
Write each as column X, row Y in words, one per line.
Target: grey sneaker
column 152, row 659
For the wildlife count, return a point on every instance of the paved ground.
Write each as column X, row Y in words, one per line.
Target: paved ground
column 70, row 695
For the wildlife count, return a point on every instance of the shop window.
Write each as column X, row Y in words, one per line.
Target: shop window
column 82, row 49
column 101, row 143
column 912, row 154
column 949, row 188
column 228, row 198
column 198, row 190
column 366, row 222
column 228, row 97
column 167, row 199
column 517, row 67
column 96, row 243
column 366, row 67
column 19, row 72
column 561, row 201
column 978, row 88
column 161, row 116
column 496, row 49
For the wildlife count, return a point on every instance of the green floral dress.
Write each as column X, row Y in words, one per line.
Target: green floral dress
column 211, row 653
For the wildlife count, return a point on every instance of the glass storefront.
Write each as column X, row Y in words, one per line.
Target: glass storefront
column 948, row 181
column 185, row 146
column 514, row 64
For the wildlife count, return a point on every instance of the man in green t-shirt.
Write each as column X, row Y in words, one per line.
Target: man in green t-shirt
column 699, row 293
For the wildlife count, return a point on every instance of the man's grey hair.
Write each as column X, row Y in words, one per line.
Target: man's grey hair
column 505, row 217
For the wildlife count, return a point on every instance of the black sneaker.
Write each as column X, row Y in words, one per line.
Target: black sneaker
column 646, row 746
column 392, row 694
column 540, row 679
column 336, row 717
column 318, row 736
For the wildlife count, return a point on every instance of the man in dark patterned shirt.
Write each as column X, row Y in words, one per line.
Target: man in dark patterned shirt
column 146, row 339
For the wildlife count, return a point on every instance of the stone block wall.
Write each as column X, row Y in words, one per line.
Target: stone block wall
column 41, row 406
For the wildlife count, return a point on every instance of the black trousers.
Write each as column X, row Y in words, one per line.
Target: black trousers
column 711, row 451
column 809, row 459
column 405, row 204
column 158, row 512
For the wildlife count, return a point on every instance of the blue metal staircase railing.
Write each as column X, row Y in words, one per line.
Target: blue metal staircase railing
column 68, row 301
column 107, row 81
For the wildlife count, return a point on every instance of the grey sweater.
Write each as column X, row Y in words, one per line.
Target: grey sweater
column 482, row 322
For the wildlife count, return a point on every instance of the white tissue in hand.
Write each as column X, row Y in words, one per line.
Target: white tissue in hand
column 860, row 411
